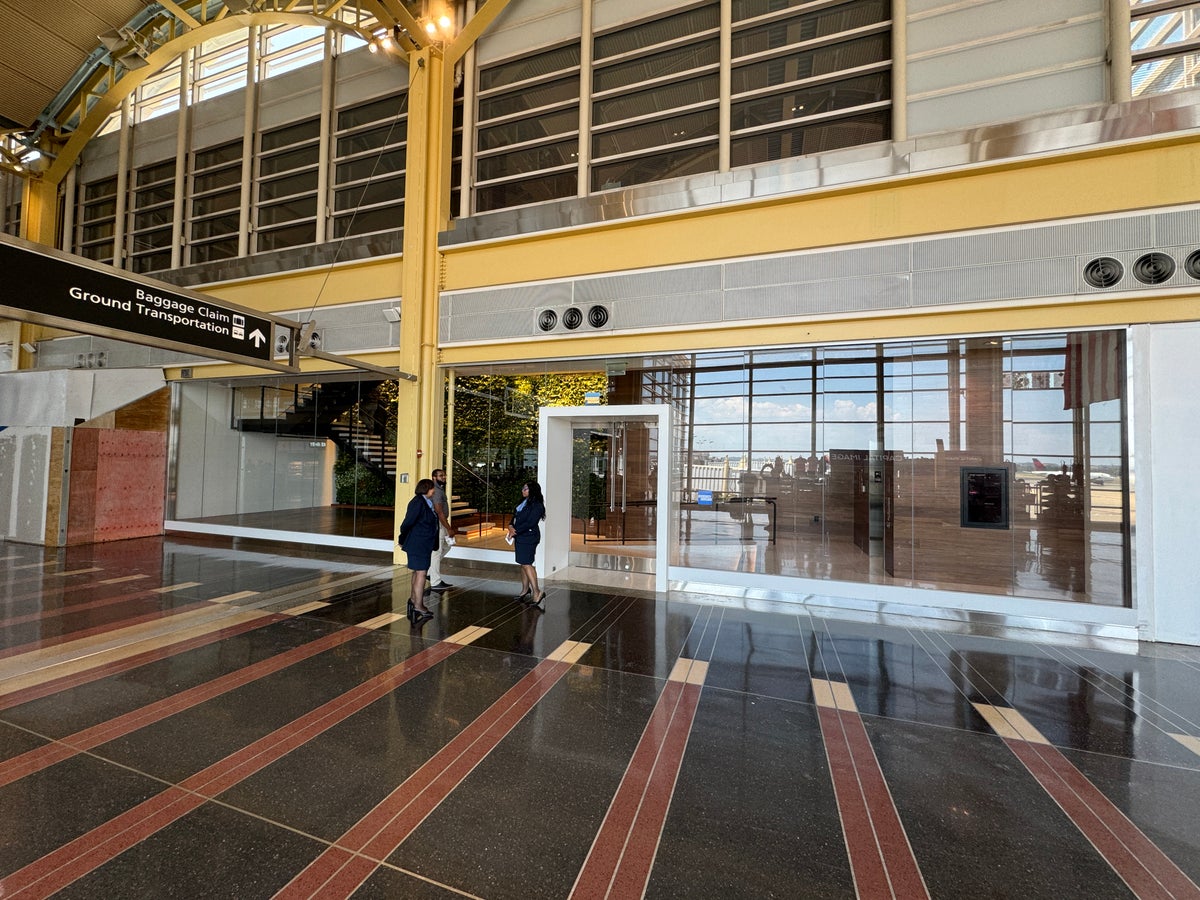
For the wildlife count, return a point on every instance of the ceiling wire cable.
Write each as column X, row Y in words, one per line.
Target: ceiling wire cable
column 400, row 112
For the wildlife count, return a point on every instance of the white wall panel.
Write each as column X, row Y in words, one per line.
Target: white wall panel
column 290, row 98
column 993, row 61
column 362, row 75
column 530, row 24
column 1012, row 100
column 1166, row 427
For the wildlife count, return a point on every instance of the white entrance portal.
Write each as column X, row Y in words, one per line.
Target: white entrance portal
column 557, row 458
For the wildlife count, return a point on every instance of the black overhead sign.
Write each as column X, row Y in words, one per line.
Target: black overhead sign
column 51, row 289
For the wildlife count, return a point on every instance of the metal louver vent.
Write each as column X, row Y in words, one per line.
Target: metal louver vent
column 597, row 316
column 1103, row 272
column 547, row 319
column 572, row 318
column 1191, row 265
column 1153, row 268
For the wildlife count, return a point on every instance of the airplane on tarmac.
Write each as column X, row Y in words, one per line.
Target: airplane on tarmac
column 1097, row 478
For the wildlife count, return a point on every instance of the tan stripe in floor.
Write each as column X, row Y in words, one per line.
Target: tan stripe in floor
column 305, row 607
column 75, row 572
column 96, row 643
column 175, row 587
column 229, row 598
column 1008, row 723
column 1192, row 743
column 467, row 635
column 380, row 621
column 123, row 579
column 41, row 565
column 84, row 662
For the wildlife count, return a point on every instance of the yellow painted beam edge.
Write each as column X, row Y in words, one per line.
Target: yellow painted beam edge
column 1096, row 181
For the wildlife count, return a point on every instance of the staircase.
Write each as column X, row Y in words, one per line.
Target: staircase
column 367, row 446
column 321, row 410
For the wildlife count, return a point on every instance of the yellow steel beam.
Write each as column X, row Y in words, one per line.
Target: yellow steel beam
column 162, row 57
column 180, row 13
column 473, row 30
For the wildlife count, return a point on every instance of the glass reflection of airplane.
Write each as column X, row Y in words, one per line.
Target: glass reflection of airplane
column 1097, row 478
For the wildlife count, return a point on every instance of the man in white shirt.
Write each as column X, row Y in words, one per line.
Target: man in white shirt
column 441, row 506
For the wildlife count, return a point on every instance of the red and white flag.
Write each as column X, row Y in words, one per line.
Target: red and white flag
column 1095, row 367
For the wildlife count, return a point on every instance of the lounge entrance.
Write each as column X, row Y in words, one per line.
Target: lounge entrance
column 606, row 471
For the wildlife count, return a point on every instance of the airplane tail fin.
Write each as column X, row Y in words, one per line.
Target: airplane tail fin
column 1038, row 465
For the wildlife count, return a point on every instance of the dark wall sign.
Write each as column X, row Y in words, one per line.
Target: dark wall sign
column 51, row 289
column 984, row 497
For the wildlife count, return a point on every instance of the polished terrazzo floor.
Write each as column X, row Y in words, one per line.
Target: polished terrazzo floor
column 189, row 718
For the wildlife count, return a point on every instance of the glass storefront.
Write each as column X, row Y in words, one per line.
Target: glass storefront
column 992, row 464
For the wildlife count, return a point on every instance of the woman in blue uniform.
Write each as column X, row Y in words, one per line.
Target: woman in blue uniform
column 525, row 534
column 419, row 538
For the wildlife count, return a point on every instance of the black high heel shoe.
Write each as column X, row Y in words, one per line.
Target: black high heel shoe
column 412, row 612
column 420, row 617
column 538, row 602
column 521, row 598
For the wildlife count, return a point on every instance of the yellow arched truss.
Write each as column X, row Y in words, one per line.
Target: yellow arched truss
column 109, row 87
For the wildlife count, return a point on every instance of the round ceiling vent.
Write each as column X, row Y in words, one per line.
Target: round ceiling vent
column 1191, row 265
column 572, row 317
column 597, row 316
column 1103, row 272
column 1153, row 268
column 547, row 319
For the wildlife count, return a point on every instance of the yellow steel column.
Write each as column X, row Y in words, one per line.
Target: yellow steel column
column 426, row 212
column 39, row 211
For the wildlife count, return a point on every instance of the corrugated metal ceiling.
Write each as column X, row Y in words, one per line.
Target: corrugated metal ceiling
column 42, row 45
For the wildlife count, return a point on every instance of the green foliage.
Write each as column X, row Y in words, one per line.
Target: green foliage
column 496, row 431
column 355, row 483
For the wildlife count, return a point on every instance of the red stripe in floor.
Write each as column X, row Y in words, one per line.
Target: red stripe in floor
column 58, row 611
column 56, row 869
column 39, row 758
column 881, row 858
column 65, row 682
column 622, row 855
column 1147, row 871
column 346, row 864
column 100, row 629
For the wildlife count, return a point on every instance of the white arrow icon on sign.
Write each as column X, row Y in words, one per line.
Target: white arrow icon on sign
column 258, row 337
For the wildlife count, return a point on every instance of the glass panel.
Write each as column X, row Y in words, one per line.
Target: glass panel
column 809, row 101
column 304, row 233
column 658, row 31
column 215, row 156
column 383, row 136
column 658, row 133
column 150, row 196
column 648, row 68
column 210, row 228
column 371, row 166
column 535, row 97
column 675, row 164
column 666, row 97
column 527, row 67
column 815, row 138
column 292, row 134
column 550, row 187
column 370, row 194
column 220, row 178
column 531, row 159
column 292, row 159
column 561, row 123
column 216, row 203
column 370, row 221
column 809, row 26
column 375, row 111
column 288, row 185
column 163, row 215
column 288, row 211
column 210, row 252
column 811, row 63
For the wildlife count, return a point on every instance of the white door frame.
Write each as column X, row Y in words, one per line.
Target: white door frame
column 555, row 461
